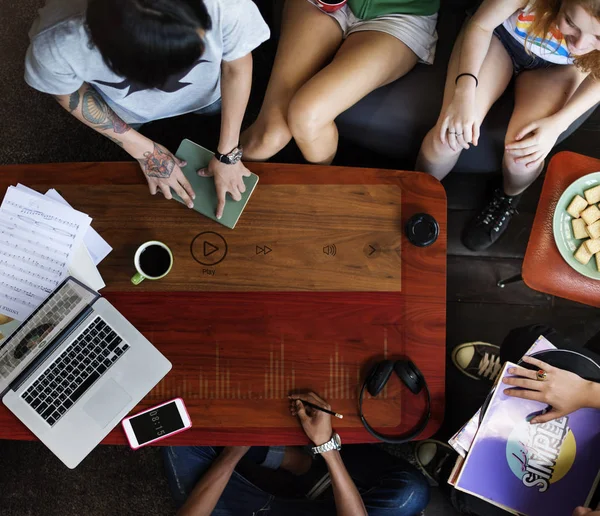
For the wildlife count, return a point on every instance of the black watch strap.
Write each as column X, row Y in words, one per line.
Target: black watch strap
column 224, row 158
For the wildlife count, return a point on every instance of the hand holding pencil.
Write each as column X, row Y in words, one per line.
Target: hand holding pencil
column 314, row 414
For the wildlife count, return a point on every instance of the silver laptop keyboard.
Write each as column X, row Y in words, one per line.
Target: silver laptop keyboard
column 75, row 370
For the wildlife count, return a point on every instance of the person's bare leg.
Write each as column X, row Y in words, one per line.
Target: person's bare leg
column 538, row 94
column 309, row 39
column 365, row 61
column 438, row 159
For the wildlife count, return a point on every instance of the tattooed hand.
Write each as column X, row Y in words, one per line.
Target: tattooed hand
column 162, row 170
column 228, row 178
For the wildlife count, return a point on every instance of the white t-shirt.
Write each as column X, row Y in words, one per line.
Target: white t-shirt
column 552, row 48
column 61, row 58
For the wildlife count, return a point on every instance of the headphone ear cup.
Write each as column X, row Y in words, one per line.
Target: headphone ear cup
column 378, row 376
column 410, row 375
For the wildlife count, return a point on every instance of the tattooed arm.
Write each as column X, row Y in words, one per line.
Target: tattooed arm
column 161, row 169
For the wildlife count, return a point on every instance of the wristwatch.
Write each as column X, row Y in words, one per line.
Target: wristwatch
column 232, row 157
column 335, row 443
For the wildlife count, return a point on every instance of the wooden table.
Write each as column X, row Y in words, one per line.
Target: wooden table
column 544, row 269
column 316, row 281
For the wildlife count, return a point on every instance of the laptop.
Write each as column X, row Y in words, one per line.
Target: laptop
column 74, row 369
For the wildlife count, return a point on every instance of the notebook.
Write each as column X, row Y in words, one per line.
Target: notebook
column 198, row 157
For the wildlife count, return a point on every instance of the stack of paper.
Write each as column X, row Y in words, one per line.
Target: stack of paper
column 43, row 240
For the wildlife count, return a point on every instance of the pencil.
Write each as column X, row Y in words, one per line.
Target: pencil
column 339, row 416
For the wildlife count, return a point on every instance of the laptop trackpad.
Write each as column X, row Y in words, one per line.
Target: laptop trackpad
column 103, row 406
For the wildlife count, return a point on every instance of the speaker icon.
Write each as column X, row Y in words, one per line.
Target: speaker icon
column 330, row 250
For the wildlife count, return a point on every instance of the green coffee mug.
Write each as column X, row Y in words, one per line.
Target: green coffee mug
column 153, row 260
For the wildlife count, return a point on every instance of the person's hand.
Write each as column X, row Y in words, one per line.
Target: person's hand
column 534, row 142
column 163, row 172
column 564, row 391
column 316, row 424
column 235, row 452
column 460, row 125
column 228, row 179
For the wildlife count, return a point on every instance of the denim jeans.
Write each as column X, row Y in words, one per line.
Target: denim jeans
column 399, row 490
column 521, row 59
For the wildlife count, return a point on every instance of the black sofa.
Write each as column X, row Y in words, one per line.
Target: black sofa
column 393, row 120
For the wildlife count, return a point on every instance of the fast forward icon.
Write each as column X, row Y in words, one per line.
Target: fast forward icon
column 263, row 249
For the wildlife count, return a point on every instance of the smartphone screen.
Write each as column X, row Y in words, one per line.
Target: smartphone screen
column 156, row 423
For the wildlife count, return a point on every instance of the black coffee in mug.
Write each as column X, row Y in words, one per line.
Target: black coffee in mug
column 155, row 261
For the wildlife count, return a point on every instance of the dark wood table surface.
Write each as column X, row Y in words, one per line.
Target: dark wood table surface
column 340, row 287
column 544, row 269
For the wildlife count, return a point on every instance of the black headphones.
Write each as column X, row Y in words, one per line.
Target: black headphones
column 411, row 377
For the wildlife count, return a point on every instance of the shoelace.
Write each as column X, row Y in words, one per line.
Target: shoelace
column 489, row 366
column 497, row 211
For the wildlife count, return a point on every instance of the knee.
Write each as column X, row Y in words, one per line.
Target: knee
column 515, row 168
column 305, row 118
column 419, row 494
column 434, row 148
column 408, row 489
column 512, row 166
column 269, row 127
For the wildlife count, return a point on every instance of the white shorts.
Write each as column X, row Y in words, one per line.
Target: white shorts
column 416, row 32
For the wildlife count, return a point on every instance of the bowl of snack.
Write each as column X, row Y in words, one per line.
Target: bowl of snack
column 576, row 225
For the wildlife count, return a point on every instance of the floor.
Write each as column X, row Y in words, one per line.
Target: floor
column 114, row 480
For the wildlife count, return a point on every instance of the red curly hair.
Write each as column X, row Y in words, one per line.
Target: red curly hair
column 546, row 13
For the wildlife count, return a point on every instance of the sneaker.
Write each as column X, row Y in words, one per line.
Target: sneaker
column 432, row 456
column 477, row 360
column 487, row 227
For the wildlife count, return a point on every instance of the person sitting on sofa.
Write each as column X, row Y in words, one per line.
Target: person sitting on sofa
column 553, row 49
column 328, row 61
column 116, row 64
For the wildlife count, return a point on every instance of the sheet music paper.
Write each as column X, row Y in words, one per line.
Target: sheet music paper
column 38, row 239
column 96, row 245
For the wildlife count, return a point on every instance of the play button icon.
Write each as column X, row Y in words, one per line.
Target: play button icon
column 209, row 248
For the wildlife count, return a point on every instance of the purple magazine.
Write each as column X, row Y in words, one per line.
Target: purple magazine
column 536, row 470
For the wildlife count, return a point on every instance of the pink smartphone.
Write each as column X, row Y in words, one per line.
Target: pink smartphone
column 156, row 423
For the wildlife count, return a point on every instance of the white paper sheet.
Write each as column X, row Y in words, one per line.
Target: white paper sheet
column 38, row 239
column 96, row 245
column 82, row 267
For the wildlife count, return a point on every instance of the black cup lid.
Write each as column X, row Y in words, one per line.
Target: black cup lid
column 422, row 229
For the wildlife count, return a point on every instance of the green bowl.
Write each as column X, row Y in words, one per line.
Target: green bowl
column 563, row 230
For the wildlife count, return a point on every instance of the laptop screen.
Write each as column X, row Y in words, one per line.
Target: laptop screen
column 55, row 314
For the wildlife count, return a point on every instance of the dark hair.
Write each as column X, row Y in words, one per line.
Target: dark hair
column 146, row 41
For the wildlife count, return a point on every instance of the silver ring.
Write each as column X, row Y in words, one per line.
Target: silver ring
column 458, row 134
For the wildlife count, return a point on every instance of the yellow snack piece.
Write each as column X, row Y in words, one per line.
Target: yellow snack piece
column 579, row 228
column 593, row 230
column 593, row 245
column 592, row 195
column 578, row 204
column 583, row 255
column 591, row 214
